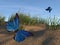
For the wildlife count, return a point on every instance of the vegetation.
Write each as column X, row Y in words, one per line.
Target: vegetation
column 2, row 20
column 51, row 23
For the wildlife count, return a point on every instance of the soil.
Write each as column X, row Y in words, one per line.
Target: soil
column 42, row 36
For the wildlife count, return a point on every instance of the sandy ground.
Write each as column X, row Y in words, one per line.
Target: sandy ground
column 42, row 36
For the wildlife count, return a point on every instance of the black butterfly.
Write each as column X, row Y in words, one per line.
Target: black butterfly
column 49, row 9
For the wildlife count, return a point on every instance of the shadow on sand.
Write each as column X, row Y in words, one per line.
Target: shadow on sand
column 39, row 33
column 5, row 41
column 47, row 41
column 36, row 34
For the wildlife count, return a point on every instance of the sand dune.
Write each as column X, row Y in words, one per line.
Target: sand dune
column 42, row 36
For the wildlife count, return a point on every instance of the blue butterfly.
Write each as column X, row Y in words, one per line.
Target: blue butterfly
column 13, row 26
column 49, row 9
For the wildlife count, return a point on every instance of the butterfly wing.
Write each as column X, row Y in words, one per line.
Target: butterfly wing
column 50, row 10
column 9, row 26
column 26, row 33
column 16, row 21
column 13, row 25
column 21, row 35
column 47, row 9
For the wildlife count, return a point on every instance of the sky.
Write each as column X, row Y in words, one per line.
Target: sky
column 32, row 7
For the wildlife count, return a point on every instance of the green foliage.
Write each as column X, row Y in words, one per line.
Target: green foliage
column 2, row 20
column 25, row 19
column 21, row 27
column 51, row 23
column 11, row 18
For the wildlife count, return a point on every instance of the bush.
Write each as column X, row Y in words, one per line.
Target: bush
column 51, row 23
column 2, row 20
